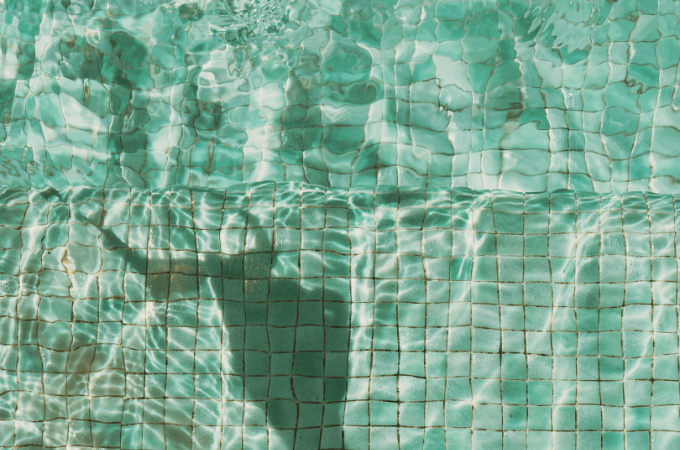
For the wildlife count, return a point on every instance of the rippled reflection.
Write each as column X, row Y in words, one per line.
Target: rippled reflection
column 527, row 96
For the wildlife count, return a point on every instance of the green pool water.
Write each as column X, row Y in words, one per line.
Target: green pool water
column 520, row 95
column 339, row 224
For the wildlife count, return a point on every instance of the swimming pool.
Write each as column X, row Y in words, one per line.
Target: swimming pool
column 526, row 96
column 339, row 224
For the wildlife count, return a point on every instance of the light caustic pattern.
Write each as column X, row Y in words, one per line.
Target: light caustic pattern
column 203, row 245
column 514, row 94
column 295, row 316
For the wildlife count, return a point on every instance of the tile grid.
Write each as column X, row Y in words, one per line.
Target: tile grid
column 488, row 412
column 577, row 95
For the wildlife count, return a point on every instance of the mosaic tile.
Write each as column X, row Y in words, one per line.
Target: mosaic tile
column 523, row 95
column 295, row 316
column 309, row 224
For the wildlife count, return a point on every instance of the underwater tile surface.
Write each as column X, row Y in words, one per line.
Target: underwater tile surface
column 512, row 94
column 277, row 225
column 295, row 316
